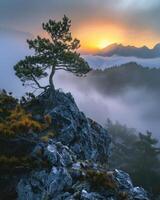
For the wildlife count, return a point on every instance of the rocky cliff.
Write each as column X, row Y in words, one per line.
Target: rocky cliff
column 78, row 160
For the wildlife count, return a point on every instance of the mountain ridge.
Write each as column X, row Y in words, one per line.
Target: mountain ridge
column 127, row 51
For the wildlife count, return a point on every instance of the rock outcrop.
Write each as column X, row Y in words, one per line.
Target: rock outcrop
column 78, row 161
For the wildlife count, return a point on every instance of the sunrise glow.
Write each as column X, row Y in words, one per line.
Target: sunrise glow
column 102, row 44
column 98, row 35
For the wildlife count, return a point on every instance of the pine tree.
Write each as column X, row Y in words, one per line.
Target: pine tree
column 146, row 163
column 57, row 52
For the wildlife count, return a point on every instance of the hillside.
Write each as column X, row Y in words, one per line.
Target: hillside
column 117, row 79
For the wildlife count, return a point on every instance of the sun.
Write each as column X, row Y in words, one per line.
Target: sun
column 102, row 44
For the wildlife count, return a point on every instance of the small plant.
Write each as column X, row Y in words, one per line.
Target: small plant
column 7, row 162
column 14, row 162
column 48, row 136
column 14, row 119
column 48, row 119
column 29, row 98
column 101, row 179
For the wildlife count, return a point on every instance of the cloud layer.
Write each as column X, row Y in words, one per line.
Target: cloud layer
column 100, row 62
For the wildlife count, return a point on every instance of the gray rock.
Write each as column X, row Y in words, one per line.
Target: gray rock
column 75, row 128
column 41, row 184
column 139, row 193
column 124, row 183
column 58, row 180
column 24, row 190
column 66, row 158
column 52, row 154
column 123, row 180
column 91, row 196
column 70, row 181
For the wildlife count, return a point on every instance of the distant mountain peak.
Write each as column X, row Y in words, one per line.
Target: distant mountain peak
column 157, row 46
column 128, row 51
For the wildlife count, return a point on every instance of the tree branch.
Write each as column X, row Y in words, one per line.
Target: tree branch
column 38, row 84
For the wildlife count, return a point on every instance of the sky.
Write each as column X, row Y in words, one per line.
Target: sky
column 97, row 23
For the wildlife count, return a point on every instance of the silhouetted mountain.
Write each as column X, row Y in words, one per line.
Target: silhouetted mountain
column 121, row 50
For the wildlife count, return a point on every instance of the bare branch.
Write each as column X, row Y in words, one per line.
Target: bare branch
column 38, row 84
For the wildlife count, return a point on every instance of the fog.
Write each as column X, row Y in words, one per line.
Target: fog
column 136, row 108
column 12, row 48
column 100, row 62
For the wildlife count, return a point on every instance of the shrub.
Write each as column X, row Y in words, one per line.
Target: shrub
column 14, row 162
column 27, row 162
column 14, row 119
column 101, row 179
column 48, row 119
column 49, row 135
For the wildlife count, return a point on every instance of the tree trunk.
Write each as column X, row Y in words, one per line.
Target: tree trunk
column 51, row 79
column 52, row 88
